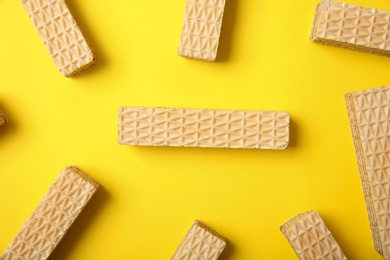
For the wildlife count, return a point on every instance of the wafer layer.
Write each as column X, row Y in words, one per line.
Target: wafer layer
column 310, row 238
column 61, row 35
column 201, row 29
column 353, row 27
column 369, row 114
column 3, row 118
column 54, row 215
column 203, row 128
column 201, row 242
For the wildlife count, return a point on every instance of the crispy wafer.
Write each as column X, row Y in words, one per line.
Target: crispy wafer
column 54, row 215
column 310, row 238
column 201, row 242
column 203, row 128
column 369, row 115
column 61, row 35
column 201, row 29
column 353, row 27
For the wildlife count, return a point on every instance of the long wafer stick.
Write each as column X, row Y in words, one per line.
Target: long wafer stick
column 3, row 118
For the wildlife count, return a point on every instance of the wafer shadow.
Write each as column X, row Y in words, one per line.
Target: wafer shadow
column 294, row 134
column 227, row 31
column 80, row 225
column 227, row 252
column 86, row 30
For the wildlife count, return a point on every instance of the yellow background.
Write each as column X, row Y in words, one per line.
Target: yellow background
column 151, row 195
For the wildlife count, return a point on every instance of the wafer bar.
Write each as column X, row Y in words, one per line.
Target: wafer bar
column 201, row 29
column 369, row 115
column 3, row 118
column 353, row 27
column 201, row 242
column 61, row 35
column 203, row 128
column 310, row 238
column 54, row 215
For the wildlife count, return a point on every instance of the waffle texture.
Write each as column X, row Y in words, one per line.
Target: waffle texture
column 353, row 27
column 203, row 128
column 52, row 218
column 201, row 29
column 200, row 243
column 369, row 114
column 61, row 35
column 311, row 239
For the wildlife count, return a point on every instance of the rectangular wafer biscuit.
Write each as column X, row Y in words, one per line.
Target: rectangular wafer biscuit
column 54, row 215
column 203, row 128
column 201, row 29
column 3, row 118
column 61, row 35
column 310, row 238
column 369, row 115
column 201, row 242
column 353, row 27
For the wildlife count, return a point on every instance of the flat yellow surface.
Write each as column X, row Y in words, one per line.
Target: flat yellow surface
column 151, row 195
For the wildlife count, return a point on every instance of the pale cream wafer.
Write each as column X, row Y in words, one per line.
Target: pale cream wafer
column 353, row 27
column 61, row 35
column 203, row 128
column 200, row 243
column 201, row 29
column 3, row 118
column 369, row 115
column 310, row 238
column 52, row 218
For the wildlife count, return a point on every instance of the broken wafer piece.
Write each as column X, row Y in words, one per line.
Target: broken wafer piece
column 54, row 215
column 310, row 238
column 353, row 27
column 201, row 29
column 203, row 128
column 3, row 118
column 61, row 35
column 201, row 242
column 369, row 115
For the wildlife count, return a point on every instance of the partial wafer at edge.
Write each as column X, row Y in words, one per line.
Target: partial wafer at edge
column 354, row 32
column 61, row 35
column 200, row 242
column 310, row 238
column 369, row 115
column 54, row 215
column 3, row 118
column 188, row 127
column 201, row 29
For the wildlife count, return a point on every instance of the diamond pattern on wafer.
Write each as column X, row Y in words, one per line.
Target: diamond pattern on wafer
column 54, row 215
column 61, row 35
column 203, row 128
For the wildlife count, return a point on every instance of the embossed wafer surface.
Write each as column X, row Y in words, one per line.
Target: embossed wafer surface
column 310, row 238
column 201, row 29
column 203, row 128
column 3, row 118
column 369, row 113
column 54, row 215
column 353, row 27
column 61, row 35
column 200, row 243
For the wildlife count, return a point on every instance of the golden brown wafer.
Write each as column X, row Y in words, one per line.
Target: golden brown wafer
column 3, row 118
column 353, row 27
column 52, row 218
column 201, row 242
column 369, row 115
column 201, row 29
column 203, row 128
column 310, row 238
column 61, row 35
